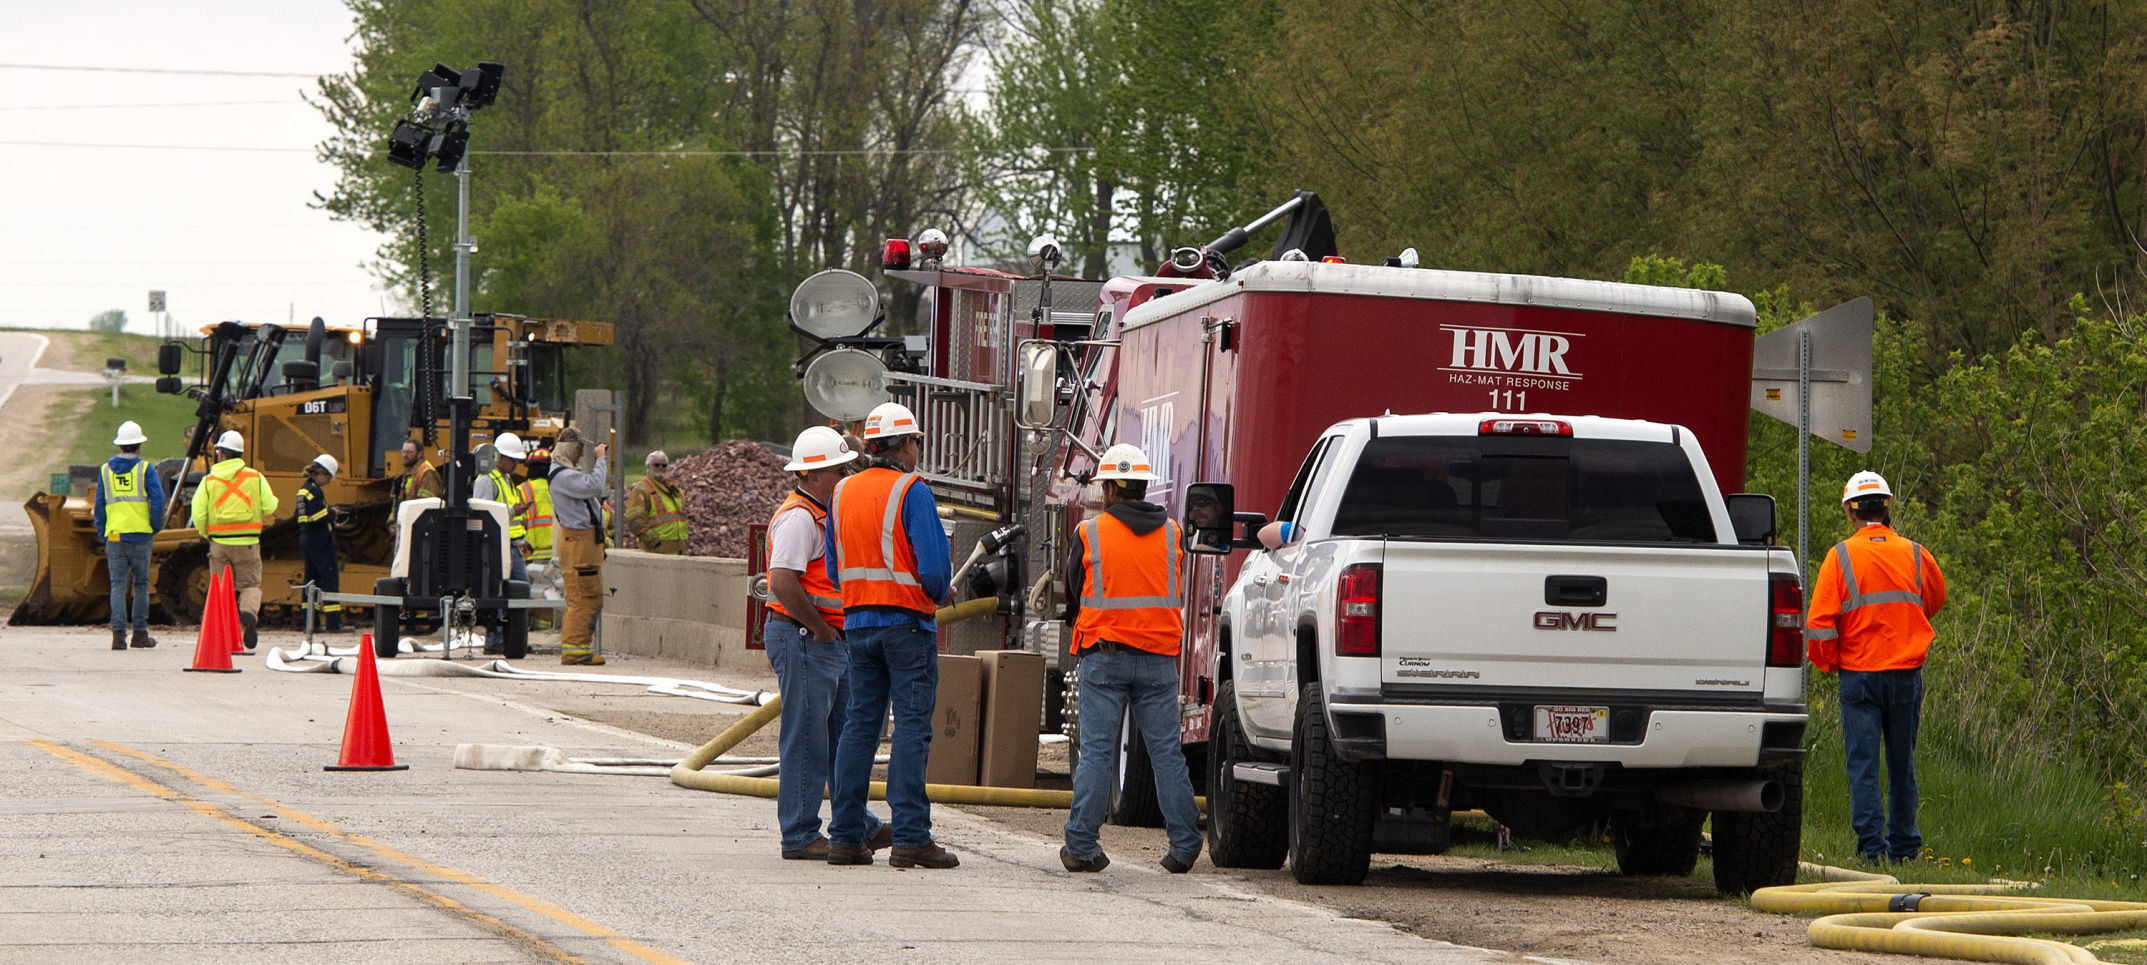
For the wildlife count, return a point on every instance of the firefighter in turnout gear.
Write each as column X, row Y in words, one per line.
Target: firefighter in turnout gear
column 316, row 540
column 1124, row 603
column 656, row 510
column 130, row 510
column 230, row 507
column 580, row 544
column 1871, row 611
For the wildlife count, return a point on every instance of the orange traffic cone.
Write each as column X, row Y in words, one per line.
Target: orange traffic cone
column 365, row 731
column 233, row 629
column 211, row 653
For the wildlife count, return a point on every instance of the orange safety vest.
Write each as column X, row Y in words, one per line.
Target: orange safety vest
column 1129, row 588
column 415, row 480
column 1872, row 603
column 873, row 555
column 233, row 527
column 818, row 588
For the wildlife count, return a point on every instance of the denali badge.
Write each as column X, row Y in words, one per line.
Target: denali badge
column 1561, row 620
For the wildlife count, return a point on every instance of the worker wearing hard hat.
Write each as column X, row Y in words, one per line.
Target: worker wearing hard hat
column 316, row 540
column 1123, row 604
column 803, row 636
column 1871, row 612
column 656, row 509
column 885, row 551
column 580, row 546
column 536, row 496
column 498, row 485
column 129, row 511
column 231, row 505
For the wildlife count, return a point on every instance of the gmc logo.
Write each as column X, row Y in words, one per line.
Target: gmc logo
column 1505, row 350
column 1561, row 620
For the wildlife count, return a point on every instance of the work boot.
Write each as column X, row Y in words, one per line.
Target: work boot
column 1097, row 863
column 247, row 623
column 882, row 839
column 848, row 854
column 142, row 639
column 929, row 856
column 816, row 851
column 119, row 639
column 1176, row 865
column 582, row 659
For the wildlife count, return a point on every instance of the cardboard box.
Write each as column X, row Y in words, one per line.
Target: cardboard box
column 957, row 725
column 1013, row 715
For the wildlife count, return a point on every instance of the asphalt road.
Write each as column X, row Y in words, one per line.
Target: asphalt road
column 152, row 815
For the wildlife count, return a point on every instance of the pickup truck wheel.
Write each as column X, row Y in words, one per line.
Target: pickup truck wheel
column 1657, row 840
column 1331, row 804
column 387, row 618
column 1248, row 824
column 1133, row 781
column 1758, row 850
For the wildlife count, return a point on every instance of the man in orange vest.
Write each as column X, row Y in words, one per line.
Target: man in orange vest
column 231, row 505
column 1871, row 620
column 1124, row 602
column 887, row 554
column 803, row 635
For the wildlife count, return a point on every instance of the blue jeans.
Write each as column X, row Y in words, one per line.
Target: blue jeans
column 1112, row 681
column 129, row 565
column 1882, row 707
column 898, row 665
column 816, row 697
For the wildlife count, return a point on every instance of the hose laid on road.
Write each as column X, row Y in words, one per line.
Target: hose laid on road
column 279, row 659
column 1877, row 913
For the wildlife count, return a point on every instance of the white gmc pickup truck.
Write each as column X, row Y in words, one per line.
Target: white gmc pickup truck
column 1553, row 619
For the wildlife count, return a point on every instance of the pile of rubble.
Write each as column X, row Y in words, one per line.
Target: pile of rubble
column 729, row 488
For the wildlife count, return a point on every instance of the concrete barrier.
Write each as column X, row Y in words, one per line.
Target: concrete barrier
column 690, row 608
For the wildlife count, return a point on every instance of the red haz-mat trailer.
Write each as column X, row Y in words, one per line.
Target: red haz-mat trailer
column 1233, row 380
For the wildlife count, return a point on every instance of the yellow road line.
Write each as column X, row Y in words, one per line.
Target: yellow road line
column 324, row 826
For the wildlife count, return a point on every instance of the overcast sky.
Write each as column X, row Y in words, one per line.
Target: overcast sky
column 115, row 183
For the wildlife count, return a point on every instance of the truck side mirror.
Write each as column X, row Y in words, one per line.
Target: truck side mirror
column 170, row 357
column 1210, row 511
column 171, row 385
column 1036, row 391
column 1752, row 518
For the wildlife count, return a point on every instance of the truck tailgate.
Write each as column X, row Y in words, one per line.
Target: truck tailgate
column 1500, row 616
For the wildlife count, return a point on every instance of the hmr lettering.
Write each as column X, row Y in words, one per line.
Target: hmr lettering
column 1538, row 353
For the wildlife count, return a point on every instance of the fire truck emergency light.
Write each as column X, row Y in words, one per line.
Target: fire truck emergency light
column 835, row 304
column 846, row 383
column 895, row 255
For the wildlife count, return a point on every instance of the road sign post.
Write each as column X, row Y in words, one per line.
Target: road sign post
column 1816, row 375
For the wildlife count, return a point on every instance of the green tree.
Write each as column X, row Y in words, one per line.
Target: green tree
column 109, row 320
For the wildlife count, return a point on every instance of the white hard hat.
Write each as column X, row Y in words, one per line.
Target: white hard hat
column 890, row 419
column 130, row 434
column 1866, row 483
column 510, row 445
column 231, row 441
column 326, row 461
column 819, row 448
column 1125, row 461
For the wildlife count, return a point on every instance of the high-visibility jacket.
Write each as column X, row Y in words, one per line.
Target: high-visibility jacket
column 655, row 511
column 503, row 490
column 536, row 497
column 1129, row 586
column 232, row 503
column 818, row 588
column 1872, row 603
column 421, row 482
column 126, row 500
column 873, row 556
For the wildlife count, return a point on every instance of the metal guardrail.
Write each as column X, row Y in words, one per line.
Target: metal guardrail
column 968, row 431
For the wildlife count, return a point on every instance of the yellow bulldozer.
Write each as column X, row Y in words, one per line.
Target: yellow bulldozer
column 294, row 393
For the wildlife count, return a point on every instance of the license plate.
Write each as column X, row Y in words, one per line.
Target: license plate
column 1573, row 725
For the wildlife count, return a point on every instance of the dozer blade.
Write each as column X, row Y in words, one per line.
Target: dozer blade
column 67, row 569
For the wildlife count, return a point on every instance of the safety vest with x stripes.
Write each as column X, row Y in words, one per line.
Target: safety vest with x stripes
column 1872, row 603
column 1129, row 586
column 232, row 502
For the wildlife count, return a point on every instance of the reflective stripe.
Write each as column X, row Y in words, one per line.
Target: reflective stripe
column 314, row 518
column 1851, row 599
column 1091, row 588
column 1821, row 633
column 112, row 487
column 888, row 518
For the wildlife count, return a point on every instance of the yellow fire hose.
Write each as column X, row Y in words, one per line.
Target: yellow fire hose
column 1877, row 913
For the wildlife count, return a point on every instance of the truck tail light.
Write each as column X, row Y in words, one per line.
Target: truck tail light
column 1523, row 427
column 895, row 257
column 1785, row 621
column 1356, row 612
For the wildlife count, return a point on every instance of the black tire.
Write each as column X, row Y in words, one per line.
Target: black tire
column 182, row 585
column 1758, row 850
column 1133, row 781
column 514, row 637
column 387, row 618
column 1331, row 803
column 1248, row 824
column 1657, row 840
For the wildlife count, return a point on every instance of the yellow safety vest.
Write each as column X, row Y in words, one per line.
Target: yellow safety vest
column 236, row 506
column 537, row 495
column 666, row 511
column 504, row 490
column 126, row 501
